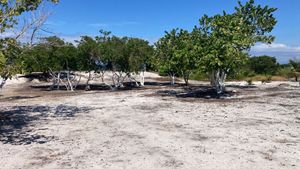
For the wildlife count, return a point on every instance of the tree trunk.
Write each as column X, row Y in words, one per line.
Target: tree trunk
column 186, row 81
column 77, row 83
column 186, row 77
column 218, row 80
column 173, row 78
column 70, row 85
column 58, row 81
column 87, row 85
column 142, row 78
column 102, row 76
column 132, row 79
column 2, row 81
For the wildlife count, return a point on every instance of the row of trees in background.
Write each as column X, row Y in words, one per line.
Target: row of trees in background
column 267, row 66
column 123, row 56
column 216, row 48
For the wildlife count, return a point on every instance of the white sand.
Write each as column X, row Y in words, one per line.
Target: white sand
column 138, row 130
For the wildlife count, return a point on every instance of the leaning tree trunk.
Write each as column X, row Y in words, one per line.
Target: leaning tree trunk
column 186, row 80
column 102, row 74
column 186, row 77
column 70, row 85
column 118, row 79
column 58, row 80
column 2, row 81
column 218, row 80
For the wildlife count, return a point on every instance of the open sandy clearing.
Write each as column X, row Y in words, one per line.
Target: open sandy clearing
column 140, row 129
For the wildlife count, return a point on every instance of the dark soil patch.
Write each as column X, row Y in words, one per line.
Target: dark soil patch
column 14, row 98
column 39, row 76
column 204, row 93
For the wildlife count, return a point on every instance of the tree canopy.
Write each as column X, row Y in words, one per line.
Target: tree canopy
column 10, row 49
column 229, row 37
column 175, row 54
column 219, row 44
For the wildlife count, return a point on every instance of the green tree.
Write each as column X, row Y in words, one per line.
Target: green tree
column 50, row 55
column 122, row 55
column 8, row 56
column 9, row 47
column 127, row 55
column 140, row 54
column 175, row 54
column 11, row 9
column 88, row 52
column 266, row 65
column 229, row 37
column 295, row 70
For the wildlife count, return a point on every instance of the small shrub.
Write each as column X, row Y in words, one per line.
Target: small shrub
column 268, row 78
column 162, row 73
column 250, row 82
column 285, row 72
column 197, row 75
column 279, row 78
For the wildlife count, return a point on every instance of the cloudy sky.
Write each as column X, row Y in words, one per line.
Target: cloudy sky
column 282, row 52
column 149, row 19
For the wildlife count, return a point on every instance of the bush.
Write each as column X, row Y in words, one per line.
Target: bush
column 285, row 72
column 241, row 74
column 162, row 73
column 264, row 65
column 268, row 78
column 249, row 81
column 197, row 75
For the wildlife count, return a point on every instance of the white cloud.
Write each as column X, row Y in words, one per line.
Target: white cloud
column 25, row 37
column 7, row 34
column 278, row 47
column 282, row 52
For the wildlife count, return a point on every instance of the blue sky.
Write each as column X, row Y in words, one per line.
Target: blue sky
column 149, row 20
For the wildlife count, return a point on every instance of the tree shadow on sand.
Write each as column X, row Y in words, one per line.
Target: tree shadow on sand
column 18, row 124
column 92, row 87
column 204, row 92
column 242, row 86
column 14, row 98
column 158, row 84
column 79, row 87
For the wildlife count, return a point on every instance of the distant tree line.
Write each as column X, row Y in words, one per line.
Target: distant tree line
column 267, row 66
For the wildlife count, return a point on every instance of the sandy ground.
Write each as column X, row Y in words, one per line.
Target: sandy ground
column 258, row 127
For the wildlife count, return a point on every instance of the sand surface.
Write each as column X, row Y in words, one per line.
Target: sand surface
column 258, row 127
